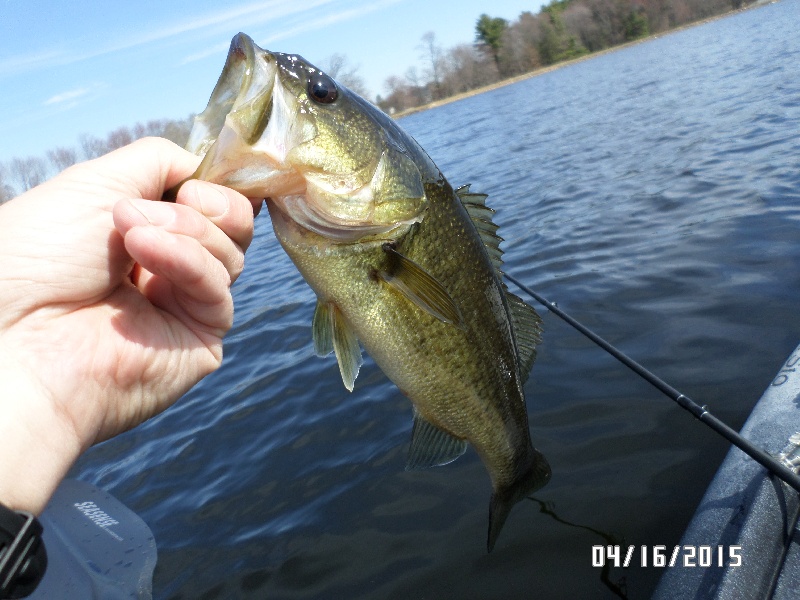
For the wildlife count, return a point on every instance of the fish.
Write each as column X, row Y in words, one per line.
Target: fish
column 401, row 262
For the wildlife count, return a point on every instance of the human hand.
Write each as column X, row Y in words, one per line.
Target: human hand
column 114, row 304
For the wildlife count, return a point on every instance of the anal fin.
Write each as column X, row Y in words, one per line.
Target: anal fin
column 431, row 446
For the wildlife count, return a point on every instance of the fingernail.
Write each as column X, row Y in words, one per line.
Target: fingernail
column 213, row 202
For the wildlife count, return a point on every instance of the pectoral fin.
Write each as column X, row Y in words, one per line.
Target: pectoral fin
column 331, row 332
column 418, row 286
column 431, row 446
column 322, row 329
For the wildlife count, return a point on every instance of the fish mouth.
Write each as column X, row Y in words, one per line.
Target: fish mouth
column 247, row 128
column 244, row 83
column 243, row 92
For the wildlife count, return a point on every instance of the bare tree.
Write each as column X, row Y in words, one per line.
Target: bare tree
column 338, row 67
column 431, row 53
column 519, row 48
column 6, row 191
column 418, row 92
column 706, row 8
column 467, row 68
column 578, row 22
column 122, row 136
column 28, row 172
column 400, row 95
column 151, row 128
column 62, row 157
column 176, row 130
column 92, row 146
column 681, row 11
column 412, row 77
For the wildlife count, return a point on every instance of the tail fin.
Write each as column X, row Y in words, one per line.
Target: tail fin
column 504, row 498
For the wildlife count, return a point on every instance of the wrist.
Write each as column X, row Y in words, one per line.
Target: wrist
column 38, row 447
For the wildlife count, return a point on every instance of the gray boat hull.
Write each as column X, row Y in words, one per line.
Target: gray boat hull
column 748, row 508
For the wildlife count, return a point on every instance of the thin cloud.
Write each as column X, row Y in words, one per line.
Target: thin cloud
column 251, row 13
column 28, row 62
column 322, row 22
column 254, row 13
column 66, row 96
column 308, row 25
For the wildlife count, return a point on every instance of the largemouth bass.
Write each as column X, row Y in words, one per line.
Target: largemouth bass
column 399, row 260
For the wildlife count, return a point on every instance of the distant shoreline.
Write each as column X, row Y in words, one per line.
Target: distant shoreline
column 567, row 63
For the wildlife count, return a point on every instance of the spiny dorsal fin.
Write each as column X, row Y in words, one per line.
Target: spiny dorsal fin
column 526, row 322
column 431, row 446
column 420, row 287
column 481, row 216
column 331, row 332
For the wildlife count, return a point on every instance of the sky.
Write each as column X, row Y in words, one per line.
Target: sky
column 68, row 68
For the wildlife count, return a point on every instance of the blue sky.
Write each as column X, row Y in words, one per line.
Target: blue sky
column 68, row 68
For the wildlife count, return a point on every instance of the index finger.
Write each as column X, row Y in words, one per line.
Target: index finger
column 145, row 168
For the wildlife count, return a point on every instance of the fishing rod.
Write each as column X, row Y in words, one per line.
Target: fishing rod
column 699, row 412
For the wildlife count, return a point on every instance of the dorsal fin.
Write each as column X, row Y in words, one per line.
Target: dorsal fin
column 527, row 332
column 481, row 216
column 331, row 332
column 526, row 322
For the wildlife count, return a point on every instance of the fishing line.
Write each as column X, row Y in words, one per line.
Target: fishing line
column 620, row 588
column 699, row 412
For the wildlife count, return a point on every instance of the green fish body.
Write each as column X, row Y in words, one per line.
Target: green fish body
column 399, row 261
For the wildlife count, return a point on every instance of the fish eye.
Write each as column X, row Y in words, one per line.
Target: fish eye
column 322, row 88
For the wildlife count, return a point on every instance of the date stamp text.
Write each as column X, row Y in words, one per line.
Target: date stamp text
column 661, row 556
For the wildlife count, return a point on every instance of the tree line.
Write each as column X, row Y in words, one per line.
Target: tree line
column 20, row 174
column 561, row 30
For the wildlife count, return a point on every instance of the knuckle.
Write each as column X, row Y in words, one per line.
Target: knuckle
column 236, row 265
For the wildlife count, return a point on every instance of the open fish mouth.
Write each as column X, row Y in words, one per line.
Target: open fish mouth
column 244, row 91
column 250, row 125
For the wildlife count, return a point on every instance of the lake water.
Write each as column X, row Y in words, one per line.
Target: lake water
column 654, row 193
